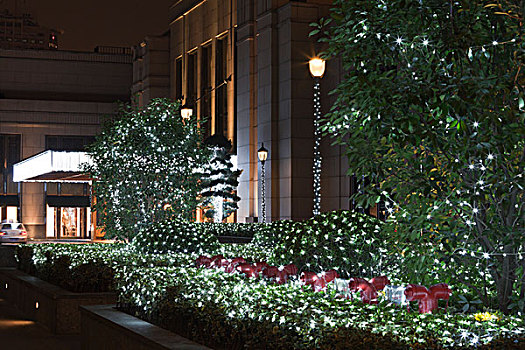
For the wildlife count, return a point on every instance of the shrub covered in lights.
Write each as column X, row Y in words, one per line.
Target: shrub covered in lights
column 233, row 229
column 93, row 275
column 175, row 235
column 145, row 166
column 230, row 312
column 89, row 267
column 351, row 242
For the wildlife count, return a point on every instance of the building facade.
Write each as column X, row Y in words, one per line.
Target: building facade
column 242, row 65
column 54, row 100
column 151, row 69
column 21, row 31
column 202, row 61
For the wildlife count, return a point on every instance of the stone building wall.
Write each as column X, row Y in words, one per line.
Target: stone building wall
column 270, row 97
column 56, row 93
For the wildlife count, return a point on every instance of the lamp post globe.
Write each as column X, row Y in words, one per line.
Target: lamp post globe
column 262, row 153
column 317, row 67
column 186, row 112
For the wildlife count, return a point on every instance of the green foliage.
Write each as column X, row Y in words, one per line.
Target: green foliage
column 431, row 112
column 233, row 229
column 351, row 242
column 92, row 277
column 55, row 270
column 228, row 311
column 144, row 166
column 88, row 277
column 175, row 235
column 24, row 257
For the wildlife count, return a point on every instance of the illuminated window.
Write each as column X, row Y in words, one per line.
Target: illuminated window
column 9, row 155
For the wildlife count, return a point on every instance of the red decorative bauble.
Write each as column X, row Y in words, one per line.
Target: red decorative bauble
column 203, row 261
column 380, row 282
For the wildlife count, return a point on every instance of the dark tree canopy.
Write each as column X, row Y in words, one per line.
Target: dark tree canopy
column 431, row 110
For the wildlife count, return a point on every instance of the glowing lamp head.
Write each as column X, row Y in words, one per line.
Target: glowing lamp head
column 317, row 67
column 186, row 112
column 262, row 153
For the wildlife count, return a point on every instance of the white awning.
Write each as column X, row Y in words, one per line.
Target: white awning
column 52, row 166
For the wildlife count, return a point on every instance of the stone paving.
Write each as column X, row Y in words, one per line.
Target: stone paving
column 21, row 334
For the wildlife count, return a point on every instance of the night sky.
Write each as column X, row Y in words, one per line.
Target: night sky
column 91, row 23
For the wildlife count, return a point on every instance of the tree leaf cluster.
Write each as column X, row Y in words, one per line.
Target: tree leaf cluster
column 145, row 168
column 431, row 112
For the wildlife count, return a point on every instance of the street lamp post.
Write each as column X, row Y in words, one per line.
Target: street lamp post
column 262, row 153
column 317, row 68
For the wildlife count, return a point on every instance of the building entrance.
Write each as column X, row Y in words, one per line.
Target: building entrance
column 68, row 222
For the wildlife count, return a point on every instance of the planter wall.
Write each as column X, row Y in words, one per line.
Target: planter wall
column 103, row 327
column 55, row 308
column 7, row 256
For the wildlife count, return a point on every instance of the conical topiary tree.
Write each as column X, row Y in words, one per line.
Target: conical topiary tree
column 219, row 180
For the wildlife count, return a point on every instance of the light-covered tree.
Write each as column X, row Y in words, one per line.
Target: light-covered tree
column 219, row 180
column 431, row 110
column 145, row 168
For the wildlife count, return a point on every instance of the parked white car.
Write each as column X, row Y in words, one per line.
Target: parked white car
column 13, row 232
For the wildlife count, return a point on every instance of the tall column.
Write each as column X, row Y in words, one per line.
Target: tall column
column 268, row 100
column 246, row 81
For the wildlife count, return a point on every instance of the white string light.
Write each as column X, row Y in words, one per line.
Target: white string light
column 317, row 148
column 263, row 190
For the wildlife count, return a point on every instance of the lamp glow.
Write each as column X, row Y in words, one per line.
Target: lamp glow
column 262, row 153
column 317, row 67
column 186, row 112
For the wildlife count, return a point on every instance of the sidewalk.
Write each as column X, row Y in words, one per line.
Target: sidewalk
column 18, row 333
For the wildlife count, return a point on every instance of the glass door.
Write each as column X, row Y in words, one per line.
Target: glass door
column 70, row 222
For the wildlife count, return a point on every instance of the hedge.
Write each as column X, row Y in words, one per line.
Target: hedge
column 229, row 311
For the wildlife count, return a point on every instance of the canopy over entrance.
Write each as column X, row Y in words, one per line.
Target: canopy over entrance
column 52, row 166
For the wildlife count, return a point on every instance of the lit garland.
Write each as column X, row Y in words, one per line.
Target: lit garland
column 317, row 148
column 263, row 191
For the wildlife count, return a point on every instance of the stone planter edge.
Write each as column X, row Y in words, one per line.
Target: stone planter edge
column 104, row 327
column 57, row 309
